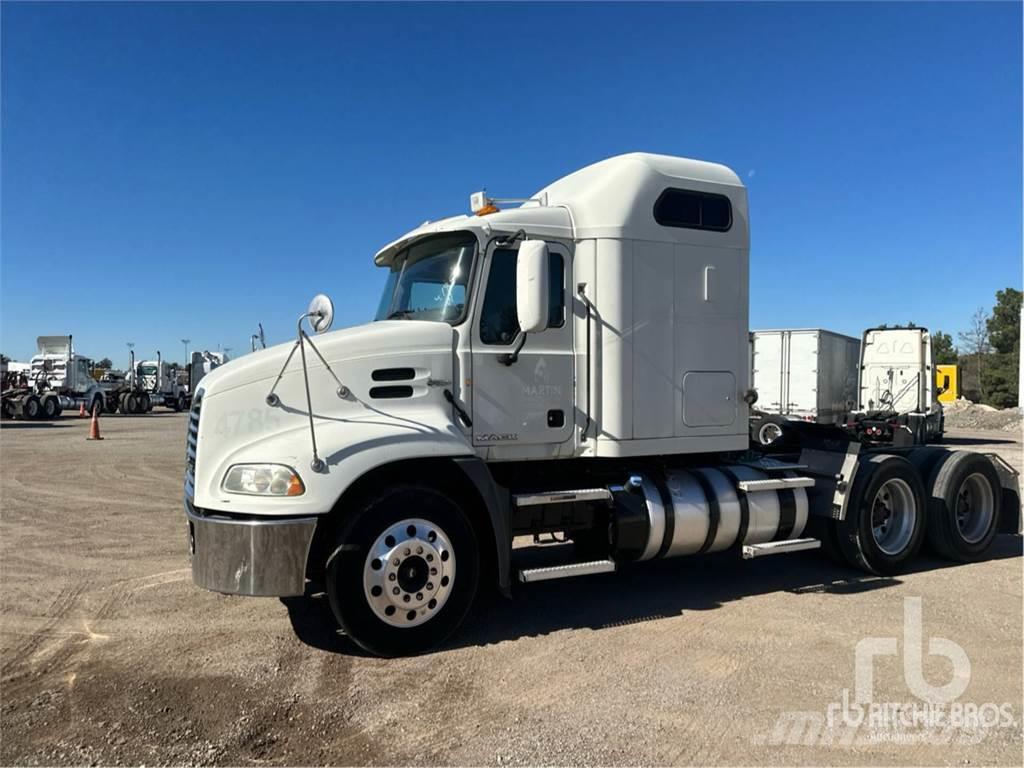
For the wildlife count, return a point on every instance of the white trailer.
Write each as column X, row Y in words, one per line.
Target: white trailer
column 57, row 378
column 801, row 374
column 897, row 393
column 579, row 364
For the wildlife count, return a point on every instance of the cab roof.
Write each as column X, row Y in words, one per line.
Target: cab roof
column 613, row 198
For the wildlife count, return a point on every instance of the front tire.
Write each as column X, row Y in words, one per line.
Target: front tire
column 885, row 520
column 404, row 572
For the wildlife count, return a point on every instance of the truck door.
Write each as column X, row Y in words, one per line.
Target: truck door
column 529, row 402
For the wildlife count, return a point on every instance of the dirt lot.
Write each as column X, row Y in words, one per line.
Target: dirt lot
column 110, row 655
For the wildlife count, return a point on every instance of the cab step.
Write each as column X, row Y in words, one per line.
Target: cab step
column 779, row 547
column 775, row 484
column 561, row 497
column 528, row 575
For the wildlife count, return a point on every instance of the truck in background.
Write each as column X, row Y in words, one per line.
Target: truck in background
column 146, row 384
column 947, row 382
column 201, row 364
column 57, row 378
column 576, row 365
column 898, row 396
column 801, row 374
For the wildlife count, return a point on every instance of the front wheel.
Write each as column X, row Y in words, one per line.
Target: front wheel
column 404, row 572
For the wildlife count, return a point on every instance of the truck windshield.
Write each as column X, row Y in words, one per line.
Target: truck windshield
column 429, row 280
column 147, row 370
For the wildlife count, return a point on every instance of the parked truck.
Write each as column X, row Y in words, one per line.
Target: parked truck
column 898, row 395
column 578, row 364
column 801, row 374
column 947, row 383
column 57, row 379
column 201, row 364
column 148, row 383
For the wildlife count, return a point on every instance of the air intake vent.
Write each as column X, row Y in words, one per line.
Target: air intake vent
column 393, row 374
column 383, row 393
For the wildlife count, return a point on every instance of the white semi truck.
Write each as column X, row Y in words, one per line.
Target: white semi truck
column 156, row 383
column 147, row 383
column 897, row 392
column 578, row 364
column 57, row 378
column 801, row 374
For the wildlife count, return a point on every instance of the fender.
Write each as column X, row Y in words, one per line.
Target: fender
column 496, row 500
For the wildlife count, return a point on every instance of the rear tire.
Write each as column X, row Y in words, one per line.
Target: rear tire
column 392, row 580
column 885, row 518
column 50, row 408
column 964, row 500
column 130, row 403
column 30, row 408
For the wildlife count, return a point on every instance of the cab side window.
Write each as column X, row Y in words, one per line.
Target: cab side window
column 498, row 321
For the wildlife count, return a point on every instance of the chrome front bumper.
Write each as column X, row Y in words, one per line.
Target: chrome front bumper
column 250, row 556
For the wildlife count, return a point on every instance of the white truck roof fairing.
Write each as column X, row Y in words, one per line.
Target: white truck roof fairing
column 53, row 345
column 613, row 198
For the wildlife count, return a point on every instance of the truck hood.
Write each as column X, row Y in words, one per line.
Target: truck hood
column 393, row 406
column 371, row 340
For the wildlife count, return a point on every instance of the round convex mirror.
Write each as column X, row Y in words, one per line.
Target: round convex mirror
column 321, row 313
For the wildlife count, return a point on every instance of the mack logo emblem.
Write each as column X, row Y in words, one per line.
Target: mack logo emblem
column 491, row 437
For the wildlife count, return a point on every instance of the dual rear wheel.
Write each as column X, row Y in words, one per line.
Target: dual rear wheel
column 951, row 500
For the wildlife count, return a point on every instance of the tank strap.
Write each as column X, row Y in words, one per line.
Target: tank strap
column 714, row 513
column 741, row 534
column 787, row 514
column 670, row 517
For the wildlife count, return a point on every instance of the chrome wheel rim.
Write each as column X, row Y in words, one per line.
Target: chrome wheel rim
column 409, row 573
column 975, row 508
column 893, row 515
column 769, row 433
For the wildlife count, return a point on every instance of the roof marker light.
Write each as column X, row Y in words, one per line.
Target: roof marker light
column 481, row 204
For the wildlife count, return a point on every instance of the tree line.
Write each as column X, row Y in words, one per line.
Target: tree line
column 988, row 352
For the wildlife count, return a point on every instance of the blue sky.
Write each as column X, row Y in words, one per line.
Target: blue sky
column 174, row 171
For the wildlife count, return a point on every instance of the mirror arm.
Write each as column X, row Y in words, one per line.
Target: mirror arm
column 510, row 357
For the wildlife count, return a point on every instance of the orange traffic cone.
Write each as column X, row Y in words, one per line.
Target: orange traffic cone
column 94, row 428
column 81, row 410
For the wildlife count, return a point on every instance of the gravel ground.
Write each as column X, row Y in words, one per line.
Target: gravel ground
column 111, row 656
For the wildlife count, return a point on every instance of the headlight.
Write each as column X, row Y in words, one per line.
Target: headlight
column 263, row 480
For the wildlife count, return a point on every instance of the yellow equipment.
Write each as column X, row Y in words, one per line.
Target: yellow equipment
column 947, row 382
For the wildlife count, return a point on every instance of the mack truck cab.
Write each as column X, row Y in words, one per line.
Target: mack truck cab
column 576, row 364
